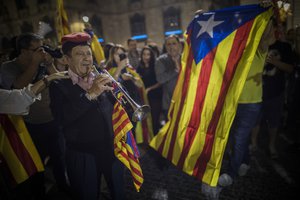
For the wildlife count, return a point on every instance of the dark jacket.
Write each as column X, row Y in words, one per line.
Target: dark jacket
column 87, row 125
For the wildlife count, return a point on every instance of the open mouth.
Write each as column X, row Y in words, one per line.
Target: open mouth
column 89, row 69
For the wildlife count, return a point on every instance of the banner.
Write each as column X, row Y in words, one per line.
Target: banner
column 218, row 52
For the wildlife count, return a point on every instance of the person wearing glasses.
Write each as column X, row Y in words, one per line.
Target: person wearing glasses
column 31, row 65
column 17, row 101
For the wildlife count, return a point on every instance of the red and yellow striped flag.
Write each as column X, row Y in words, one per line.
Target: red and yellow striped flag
column 125, row 148
column 18, row 154
column 144, row 129
column 61, row 22
column 219, row 48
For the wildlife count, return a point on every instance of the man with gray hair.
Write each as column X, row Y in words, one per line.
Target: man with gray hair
column 167, row 67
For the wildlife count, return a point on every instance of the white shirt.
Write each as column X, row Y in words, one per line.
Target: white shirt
column 17, row 102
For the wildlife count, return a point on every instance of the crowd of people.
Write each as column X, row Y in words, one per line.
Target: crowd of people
column 67, row 107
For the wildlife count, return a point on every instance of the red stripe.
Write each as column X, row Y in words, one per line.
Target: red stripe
column 119, row 112
column 17, row 145
column 6, row 172
column 195, row 119
column 184, row 92
column 145, row 131
column 161, row 146
column 132, row 169
column 237, row 51
column 121, row 126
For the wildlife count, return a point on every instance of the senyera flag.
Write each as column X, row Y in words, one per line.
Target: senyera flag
column 125, row 148
column 19, row 158
column 143, row 129
column 219, row 48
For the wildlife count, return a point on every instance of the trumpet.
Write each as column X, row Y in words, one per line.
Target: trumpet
column 140, row 112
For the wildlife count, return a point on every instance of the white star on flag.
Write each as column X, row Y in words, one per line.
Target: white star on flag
column 207, row 26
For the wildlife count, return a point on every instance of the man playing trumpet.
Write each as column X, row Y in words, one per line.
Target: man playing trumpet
column 85, row 118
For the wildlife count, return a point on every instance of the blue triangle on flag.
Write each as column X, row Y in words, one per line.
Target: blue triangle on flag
column 210, row 28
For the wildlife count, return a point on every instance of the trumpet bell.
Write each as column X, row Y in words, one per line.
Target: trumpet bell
column 140, row 113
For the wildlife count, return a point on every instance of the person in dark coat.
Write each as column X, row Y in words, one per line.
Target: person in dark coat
column 83, row 109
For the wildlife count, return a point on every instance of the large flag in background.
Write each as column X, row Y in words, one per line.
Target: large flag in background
column 61, row 21
column 125, row 148
column 219, row 48
column 18, row 155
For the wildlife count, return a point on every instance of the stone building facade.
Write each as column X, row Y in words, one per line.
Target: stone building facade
column 112, row 20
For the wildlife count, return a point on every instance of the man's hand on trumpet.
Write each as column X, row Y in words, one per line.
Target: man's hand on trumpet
column 100, row 85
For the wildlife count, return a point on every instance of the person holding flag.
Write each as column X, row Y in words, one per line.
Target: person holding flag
column 219, row 49
column 17, row 101
column 248, row 110
column 84, row 111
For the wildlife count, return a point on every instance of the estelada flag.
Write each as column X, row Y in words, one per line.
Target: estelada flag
column 218, row 52
column 18, row 155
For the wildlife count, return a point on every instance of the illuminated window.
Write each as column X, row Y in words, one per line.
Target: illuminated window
column 172, row 20
column 137, row 24
column 97, row 25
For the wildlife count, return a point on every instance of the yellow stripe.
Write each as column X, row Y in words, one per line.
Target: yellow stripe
column 97, row 49
column 210, row 101
column 14, row 164
column 27, row 141
column 214, row 165
column 159, row 138
column 130, row 162
column 128, row 149
column 61, row 29
column 120, row 121
column 156, row 141
column 186, row 112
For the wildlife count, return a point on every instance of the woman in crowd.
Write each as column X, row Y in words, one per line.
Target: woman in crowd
column 153, row 88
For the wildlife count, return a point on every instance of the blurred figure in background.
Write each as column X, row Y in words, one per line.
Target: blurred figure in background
column 133, row 53
column 153, row 89
column 167, row 67
column 279, row 62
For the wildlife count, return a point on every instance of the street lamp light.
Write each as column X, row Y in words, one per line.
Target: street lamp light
column 85, row 19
